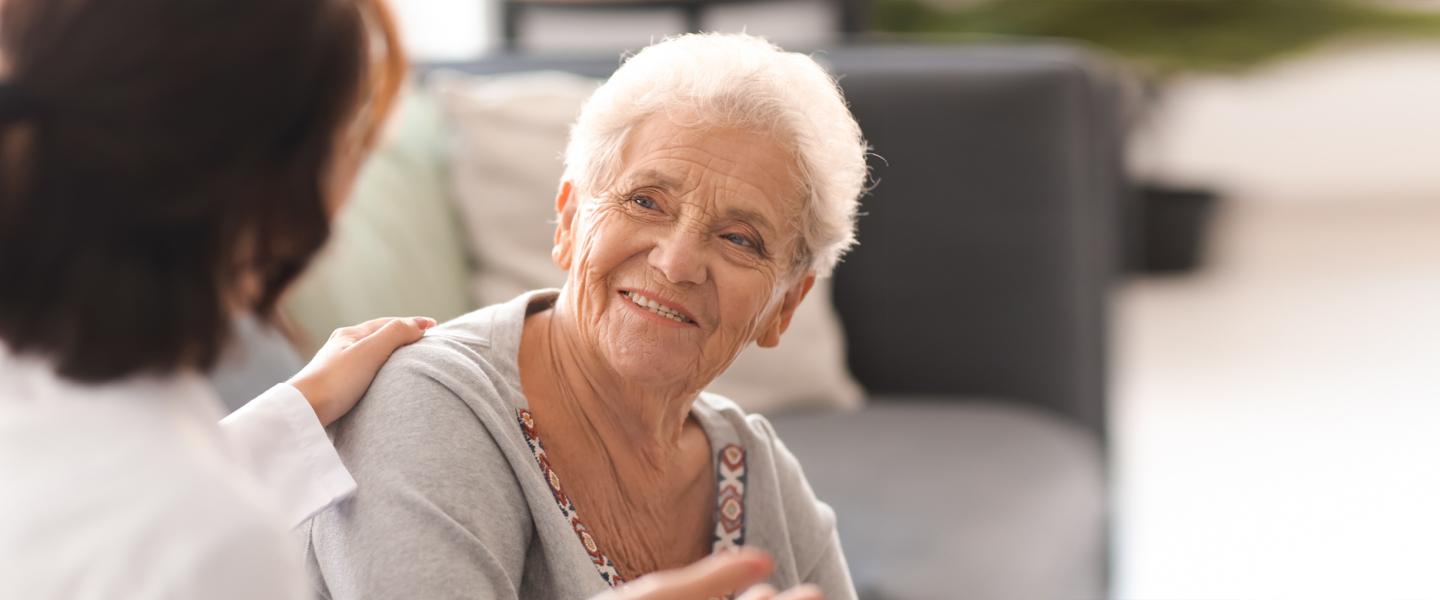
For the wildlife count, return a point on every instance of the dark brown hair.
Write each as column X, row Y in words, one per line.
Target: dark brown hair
column 164, row 163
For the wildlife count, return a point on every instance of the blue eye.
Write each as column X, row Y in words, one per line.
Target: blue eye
column 644, row 202
column 738, row 240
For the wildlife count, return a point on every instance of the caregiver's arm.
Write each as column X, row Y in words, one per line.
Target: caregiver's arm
column 281, row 434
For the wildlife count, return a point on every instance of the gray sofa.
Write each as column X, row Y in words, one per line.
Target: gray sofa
column 975, row 315
column 975, row 312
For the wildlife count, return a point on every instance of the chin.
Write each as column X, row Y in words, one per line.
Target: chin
column 652, row 364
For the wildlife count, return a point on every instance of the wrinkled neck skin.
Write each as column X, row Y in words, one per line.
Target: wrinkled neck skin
column 582, row 404
column 632, row 458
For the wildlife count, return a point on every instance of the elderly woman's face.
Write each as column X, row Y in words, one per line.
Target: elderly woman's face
column 688, row 257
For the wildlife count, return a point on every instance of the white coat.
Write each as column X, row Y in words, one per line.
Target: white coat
column 138, row 489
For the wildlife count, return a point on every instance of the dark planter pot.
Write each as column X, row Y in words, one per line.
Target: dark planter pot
column 1174, row 227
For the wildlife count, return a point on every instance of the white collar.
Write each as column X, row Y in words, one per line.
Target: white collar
column 31, row 381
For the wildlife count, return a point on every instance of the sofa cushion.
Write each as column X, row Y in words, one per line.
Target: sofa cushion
column 396, row 248
column 959, row 499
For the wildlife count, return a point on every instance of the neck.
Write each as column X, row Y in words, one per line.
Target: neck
column 636, row 429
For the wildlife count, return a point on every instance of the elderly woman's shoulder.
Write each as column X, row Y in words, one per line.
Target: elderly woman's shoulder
column 754, row 431
column 773, row 474
column 456, row 344
column 459, row 359
column 464, row 338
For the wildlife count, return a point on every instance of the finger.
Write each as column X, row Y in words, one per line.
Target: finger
column 373, row 325
column 802, row 592
column 368, row 327
column 376, row 347
column 373, row 350
column 359, row 330
column 717, row 575
column 759, row 592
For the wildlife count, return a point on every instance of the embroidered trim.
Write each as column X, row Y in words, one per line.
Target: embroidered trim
column 603, row 564
column 729, row 501
column 729, row 498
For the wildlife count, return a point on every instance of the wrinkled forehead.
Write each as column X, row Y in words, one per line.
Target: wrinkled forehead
column 726, row 169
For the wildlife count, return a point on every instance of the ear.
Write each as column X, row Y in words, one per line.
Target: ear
column 564, row 247
column 770, row 334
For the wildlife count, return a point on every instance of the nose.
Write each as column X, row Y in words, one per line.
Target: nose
column 680, row 256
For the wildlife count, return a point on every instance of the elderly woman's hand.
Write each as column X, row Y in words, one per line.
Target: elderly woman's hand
column 342, row 369
column 716, row 576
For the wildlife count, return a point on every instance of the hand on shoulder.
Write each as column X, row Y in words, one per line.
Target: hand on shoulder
column 343, row 368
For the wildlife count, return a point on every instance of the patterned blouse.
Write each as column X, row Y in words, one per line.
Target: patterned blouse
column 729, row 504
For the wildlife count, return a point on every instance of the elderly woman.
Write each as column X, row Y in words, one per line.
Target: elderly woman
column 560, row 443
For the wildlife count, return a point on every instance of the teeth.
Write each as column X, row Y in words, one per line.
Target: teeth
column 655, row 307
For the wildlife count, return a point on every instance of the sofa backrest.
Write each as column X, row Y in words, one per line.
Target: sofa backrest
column 987, row 248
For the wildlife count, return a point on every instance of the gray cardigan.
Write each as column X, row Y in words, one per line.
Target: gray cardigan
column 453, row 501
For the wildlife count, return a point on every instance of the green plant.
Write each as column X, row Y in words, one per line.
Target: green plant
column 1167, row 36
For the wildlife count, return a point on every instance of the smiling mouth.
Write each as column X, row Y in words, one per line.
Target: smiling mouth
column 655, row 307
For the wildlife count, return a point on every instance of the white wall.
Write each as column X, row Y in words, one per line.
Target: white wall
column 1346, row 124
column 447, row 29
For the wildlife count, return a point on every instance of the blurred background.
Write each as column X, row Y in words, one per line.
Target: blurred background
column 1222, row 217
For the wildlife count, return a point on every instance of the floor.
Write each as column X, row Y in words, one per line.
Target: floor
column 1277, row 416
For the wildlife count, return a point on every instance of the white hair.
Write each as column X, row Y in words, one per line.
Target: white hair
column 742, row 81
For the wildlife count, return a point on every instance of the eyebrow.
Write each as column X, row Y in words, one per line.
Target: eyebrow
column 752, row 217
column 655, row 176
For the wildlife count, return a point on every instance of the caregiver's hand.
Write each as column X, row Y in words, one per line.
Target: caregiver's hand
column 716, row 576
column 342, row 370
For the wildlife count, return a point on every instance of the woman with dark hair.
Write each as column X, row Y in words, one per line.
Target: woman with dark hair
column 164, row 167
column 167, row 165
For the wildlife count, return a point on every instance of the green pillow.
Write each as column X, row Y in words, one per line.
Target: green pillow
column 397, row 247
